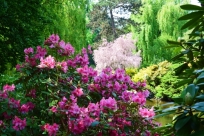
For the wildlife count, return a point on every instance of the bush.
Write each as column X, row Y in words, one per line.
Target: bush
column 58, row 94
column 160, row 78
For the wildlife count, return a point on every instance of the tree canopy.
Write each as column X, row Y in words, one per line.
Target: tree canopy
column 107, row 18
column 158, row 22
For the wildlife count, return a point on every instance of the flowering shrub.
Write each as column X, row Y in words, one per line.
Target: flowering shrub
column 120, row 53
column 58, row 94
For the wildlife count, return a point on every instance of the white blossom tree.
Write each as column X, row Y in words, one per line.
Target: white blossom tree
column 120, row 53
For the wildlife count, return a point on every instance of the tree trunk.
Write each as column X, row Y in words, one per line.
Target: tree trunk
column 113, row 24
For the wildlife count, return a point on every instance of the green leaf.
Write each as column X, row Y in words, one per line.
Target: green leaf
column 181, row 68
column 198, row 133
column 177, row 56
column 200, row 76
column 190, row 55
column 199, row 104
column 191, row 22
column 114, row 94
column 192, row 15
column 200, row 97
column 164, row 114
column 95, row 123
column 173, row 42
column 181, row 122
column 178, row 100
column 191, row 89
column 198, row 108
column 191, row 7
column 171, row 108
column 171, row 46
column 183, row 82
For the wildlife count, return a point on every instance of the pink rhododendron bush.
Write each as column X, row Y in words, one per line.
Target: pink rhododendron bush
column 59, row 94
column 121, row 53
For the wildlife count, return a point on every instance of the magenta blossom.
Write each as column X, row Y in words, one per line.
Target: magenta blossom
column 48, row 62
column 51, row 129
column 18, row 124
column 146, row 113
column 8, row 87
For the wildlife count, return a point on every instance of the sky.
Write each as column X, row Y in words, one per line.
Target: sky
column 127, row 15
column 195, row 2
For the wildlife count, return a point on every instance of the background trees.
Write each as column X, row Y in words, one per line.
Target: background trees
column 158, row 22
column 107, row 18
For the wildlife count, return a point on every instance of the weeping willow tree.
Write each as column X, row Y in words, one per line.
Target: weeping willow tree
column 158, row 21
column 70, row 21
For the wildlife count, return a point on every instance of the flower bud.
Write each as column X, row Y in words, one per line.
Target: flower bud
column 188, row 99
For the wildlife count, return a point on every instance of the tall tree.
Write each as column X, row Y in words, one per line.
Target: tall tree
column 108, row 20
column 158, row 21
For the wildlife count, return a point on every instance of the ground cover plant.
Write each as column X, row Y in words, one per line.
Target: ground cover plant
column 58, row 94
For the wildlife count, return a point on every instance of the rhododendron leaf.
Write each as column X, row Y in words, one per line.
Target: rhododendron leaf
column 198, row 133
column 171, row 108
column 95, row 123
column 181, row 122
column 200, row 97
column 191, row 7
column 163, row 114
column 114, row 94
column 45, row 92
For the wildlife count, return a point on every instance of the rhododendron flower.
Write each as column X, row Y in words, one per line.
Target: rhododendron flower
column 3, row 95
column 48, row 62
column 24, row 108
column 78, row 92
column 14, row 103
column 32, row 93
column 66, row 49
column 18, row 124
column 51, row 129
column 40, row 53
column 53, row 109
column 1, row 123
column 109, row 103
column 28, row 50
column 63, row 66
column 9, row 87
column 146, row 113
column 52, row 40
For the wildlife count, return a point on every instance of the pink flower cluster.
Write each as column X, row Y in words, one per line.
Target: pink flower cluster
column 48, row 62
column 51, row 129
column 65, row 49
column 18, row 124
column 109, row 103
column 86, row 73
column 52, row 40
column 146, row 113
column 88, row 98
column 137, row 97
column 62, row 66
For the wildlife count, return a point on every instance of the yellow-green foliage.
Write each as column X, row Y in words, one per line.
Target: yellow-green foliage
column 131, row 71
column 160, row 79
column 151, row 72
